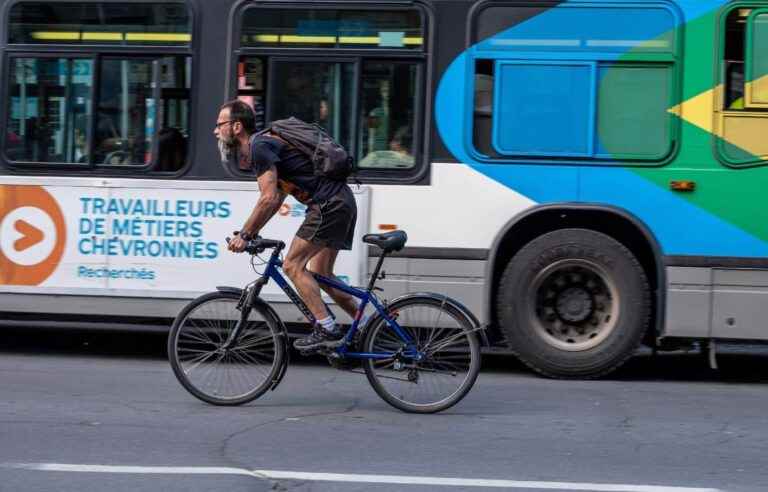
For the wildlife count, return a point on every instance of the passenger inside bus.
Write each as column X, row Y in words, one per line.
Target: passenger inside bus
column 13, row 146
column 398, row 155
column 171, row 150
column 108, row 146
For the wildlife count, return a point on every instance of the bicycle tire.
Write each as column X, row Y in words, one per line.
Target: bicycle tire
column 192, row 345
column 462, row 356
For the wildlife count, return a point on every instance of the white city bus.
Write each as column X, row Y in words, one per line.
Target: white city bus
column 582, row 183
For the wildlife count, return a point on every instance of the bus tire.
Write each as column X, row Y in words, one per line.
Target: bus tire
column 573, row 304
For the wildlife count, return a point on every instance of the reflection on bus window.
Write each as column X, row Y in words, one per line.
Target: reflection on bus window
column 128, row 115
column 126, row 109
column 316, row 93
column 250, row 87
column 387, row 115
column 173, row 113
column 52, row 112
column 47, row 97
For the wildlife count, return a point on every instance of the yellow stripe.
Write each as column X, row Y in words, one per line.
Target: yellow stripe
column 157, row 36
column 56, row 36
column 110, row 36
column 102, row 36
column 376, row 40
column 267, row 38
column 359, row 39
column 285, row 38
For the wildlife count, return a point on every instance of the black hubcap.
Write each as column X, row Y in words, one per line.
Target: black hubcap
column 574, row 305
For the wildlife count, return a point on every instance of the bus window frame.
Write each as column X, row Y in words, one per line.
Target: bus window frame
column 719, row 111
column 424, row 60
column 675, row 59
column 95, row 51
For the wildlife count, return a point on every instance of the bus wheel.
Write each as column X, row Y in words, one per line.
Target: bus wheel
column 573, row 303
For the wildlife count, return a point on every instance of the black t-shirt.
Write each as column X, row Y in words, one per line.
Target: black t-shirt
column 295, row 173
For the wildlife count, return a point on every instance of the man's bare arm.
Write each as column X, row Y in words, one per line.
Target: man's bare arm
column 270, row 200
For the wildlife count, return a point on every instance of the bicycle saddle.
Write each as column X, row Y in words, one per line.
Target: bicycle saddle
column 389, row 241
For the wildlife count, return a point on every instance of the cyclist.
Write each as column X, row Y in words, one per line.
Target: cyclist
column 330, row 218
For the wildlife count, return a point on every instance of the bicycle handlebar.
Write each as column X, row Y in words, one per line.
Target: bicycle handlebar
column 258, row 245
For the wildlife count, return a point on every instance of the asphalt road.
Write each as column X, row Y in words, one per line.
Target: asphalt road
column 90, row 411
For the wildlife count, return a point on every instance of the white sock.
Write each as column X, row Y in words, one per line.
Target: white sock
column 328, row 324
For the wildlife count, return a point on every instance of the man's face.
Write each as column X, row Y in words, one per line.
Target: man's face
column 224, row 129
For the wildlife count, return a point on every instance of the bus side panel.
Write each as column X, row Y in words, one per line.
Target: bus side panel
column 461, row 279
column 722, row 303
column 689, row 302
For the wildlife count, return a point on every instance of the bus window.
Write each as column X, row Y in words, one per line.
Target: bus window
column 387, row 115
column 735, row 33
column 128, row 114
column 363, row 86
column 532, row 105
column 125, row 113
column 100, row 23
column 756, row 63
column 316, row 92
column 173, row 113
column 483, row 107
column 99, row 108
column 741, row 115
column 49, row 101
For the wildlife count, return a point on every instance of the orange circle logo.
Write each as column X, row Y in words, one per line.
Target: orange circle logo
column 32, row 235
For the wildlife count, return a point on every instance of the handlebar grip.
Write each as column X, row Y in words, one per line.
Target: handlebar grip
column 257, row 245
column 267, row 243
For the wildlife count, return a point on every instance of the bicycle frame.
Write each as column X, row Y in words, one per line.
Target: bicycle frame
column 272, row 271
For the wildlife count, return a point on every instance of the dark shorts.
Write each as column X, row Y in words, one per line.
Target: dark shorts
column 331, row 223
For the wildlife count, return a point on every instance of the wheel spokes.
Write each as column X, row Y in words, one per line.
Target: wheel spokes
column 229, row 374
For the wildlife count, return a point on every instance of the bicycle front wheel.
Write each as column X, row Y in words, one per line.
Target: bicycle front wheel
column 232, row 376
column 450, row 355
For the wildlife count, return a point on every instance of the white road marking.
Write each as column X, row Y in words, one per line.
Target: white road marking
column 354, row 478
column 139, row 470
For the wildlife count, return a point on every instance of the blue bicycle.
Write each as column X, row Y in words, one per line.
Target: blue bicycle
column 420, row 352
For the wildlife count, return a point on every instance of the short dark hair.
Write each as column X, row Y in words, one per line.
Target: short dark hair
column 404, row 136
column 242, row 112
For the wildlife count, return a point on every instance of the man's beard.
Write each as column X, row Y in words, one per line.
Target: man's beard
column 228, row 149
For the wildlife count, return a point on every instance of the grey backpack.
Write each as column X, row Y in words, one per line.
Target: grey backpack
column 328, row 157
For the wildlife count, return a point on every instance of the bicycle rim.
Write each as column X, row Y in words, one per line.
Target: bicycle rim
column 215, row 375
column 451, row 357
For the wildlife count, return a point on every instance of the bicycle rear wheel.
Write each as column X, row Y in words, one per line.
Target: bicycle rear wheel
column 451, row 360
column 234, row 376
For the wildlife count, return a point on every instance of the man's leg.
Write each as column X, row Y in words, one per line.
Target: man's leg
column 322, row 263
column 294, row 267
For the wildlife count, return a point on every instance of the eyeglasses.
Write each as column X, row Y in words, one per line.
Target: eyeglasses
column 218, row 125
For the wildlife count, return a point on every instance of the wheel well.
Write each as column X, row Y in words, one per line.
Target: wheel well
column 609, row 222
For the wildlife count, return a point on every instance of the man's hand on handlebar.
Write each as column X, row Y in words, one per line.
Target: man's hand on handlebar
column 237, row 244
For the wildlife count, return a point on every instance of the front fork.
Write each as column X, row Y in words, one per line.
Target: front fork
column 244, row 305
